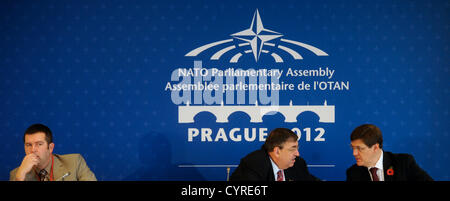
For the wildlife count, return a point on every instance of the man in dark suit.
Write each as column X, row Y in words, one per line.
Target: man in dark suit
column 277, row 160
column 373, row 164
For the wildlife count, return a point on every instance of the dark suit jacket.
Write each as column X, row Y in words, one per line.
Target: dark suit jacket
column 404, row 168
column 256, row 166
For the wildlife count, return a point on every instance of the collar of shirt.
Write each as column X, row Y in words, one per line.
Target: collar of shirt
column 276, row 169
column 380, row 169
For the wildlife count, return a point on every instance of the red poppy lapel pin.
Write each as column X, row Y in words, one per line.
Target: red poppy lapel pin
column 390, row 171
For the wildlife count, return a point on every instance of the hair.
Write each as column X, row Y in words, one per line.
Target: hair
column 35, row 128
column 369, row 134
column 278, row 137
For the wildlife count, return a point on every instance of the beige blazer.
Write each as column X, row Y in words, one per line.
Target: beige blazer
column 69, row 167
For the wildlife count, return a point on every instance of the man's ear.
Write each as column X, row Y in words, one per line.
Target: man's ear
column 51, row 146
column 276, row 151
column 376, row 146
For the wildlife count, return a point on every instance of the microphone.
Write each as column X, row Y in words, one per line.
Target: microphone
column 64, row 176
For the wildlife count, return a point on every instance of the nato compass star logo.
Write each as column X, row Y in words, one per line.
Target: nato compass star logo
column 256, row 38
column 256, row 35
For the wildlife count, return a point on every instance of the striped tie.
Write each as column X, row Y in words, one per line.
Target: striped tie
column 373, row 171
column 42, row 174
column 280, row 176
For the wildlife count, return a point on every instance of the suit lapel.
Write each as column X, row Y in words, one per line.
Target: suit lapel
column 387, row 167
column 289, row 175
column 270, row 176
column 58, row 169
column 365, row 174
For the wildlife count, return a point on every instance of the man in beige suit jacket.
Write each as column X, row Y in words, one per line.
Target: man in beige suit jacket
column 40, row 164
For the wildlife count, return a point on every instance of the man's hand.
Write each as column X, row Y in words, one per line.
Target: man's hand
column 29, row 161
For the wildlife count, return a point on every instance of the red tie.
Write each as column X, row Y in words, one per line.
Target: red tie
column 373, row 171
column 280, row 176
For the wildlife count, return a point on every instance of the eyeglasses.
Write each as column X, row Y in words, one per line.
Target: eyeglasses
column 360, row 149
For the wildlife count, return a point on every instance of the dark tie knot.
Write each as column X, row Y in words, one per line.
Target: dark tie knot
column 42, row 174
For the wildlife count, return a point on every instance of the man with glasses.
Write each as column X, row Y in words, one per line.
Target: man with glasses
column 277, row 160
column 374, row 164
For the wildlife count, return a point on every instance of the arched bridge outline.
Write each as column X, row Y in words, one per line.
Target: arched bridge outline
column 325, row 112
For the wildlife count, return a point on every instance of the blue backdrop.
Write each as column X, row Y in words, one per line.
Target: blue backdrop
column 96, row 73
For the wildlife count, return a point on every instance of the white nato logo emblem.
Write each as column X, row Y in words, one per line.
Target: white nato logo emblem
column 257, row 38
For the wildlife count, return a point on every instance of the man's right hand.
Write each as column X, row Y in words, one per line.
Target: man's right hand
column 29, row 161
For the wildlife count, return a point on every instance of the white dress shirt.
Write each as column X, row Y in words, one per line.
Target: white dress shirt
column 276, row 169
column 379, row 165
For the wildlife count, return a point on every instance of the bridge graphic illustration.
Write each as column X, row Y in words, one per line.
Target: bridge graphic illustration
column 187, row 113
